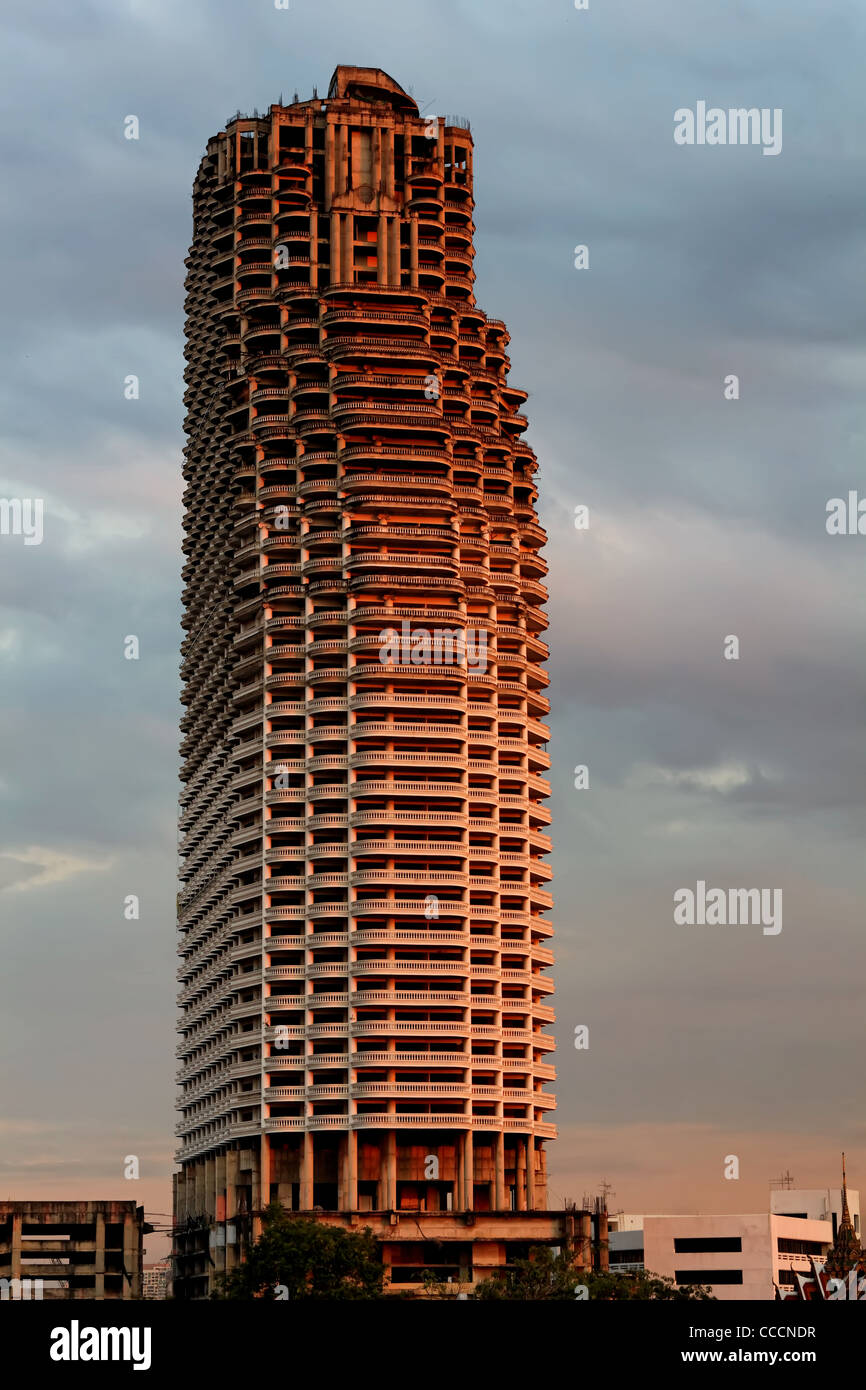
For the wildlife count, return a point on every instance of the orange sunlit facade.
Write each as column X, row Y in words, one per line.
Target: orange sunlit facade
column 363, row 910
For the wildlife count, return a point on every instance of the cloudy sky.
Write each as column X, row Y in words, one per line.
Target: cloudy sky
column 707, row 519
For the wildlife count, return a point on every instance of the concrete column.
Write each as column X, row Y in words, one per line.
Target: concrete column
column 391, row 1171
column 265, row 1171
column 335, row 247
column 307, row 1160
column 393, row 251
column 499, row 1172
column 468, row 1171
column 314, row 246
column 530, row 1173
column 232, row 1174
column 377, row 158
column 99, row 1255
column 352, row 1175
column 256, row 1190
column 382, row 250
column 219, row 1253
column 347, row 240
column 329, row 163
column 342, row 1171
column 131, row 1257
column 210, row 1186
column 344, row 138
column 460, row 1194
column 413, row 252
column 199, row 1187
column 15, row 1271
column 388, row 162
column 521, row 1175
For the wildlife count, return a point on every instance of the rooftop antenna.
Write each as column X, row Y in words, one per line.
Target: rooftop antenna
column 606, row 1190
column 785, row 1181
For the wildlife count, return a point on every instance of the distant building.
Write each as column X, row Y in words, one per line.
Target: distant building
column 738, row 1256
column 625, row 1242
column 154, row 1279
column 71, row 1250
column 817, row 1204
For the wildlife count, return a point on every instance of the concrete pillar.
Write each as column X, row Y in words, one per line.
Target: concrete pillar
column 131, row 1256
column 530, row 1173
column 210, row 1186
column 99, row 1255
column 232, row 1173
column 352, row 1176
column 342, row 1171
column 499, row 1172
column 219, row 1252
column 314, row 246
column 15, row 1271
column 335, row 247
column 256, row 1188
column 391, row 1171
column 199, row 1198
column 377, row 158
column 468, row 1171
column 347, row 241
column 382, row 250
column 345, row 136
column 413, row 252
column 393, row 251
column 460, row 1194
column 307, row 1161
column 521, row 1175
column 388, row 161
column 329, row 163
column 265, row 1171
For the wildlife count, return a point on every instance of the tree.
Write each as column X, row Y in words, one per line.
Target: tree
column 641, row 1283
column 296, row 1257
column 546, row 1275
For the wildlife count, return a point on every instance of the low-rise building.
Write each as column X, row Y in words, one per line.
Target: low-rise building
column 738, row 1256
column 71, row 1250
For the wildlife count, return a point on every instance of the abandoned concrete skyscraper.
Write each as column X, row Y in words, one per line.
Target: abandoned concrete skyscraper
column 362, row 915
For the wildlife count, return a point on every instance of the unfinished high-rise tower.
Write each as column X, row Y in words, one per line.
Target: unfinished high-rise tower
column 363, row 910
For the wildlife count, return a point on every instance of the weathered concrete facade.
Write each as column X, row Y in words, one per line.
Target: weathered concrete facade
column 363, row 913
column 77, row 1249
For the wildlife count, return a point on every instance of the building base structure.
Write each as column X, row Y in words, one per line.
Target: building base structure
column 454, row 1224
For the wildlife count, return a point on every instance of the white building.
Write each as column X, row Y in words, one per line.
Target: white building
column 816, row 1204
column 738, row 1256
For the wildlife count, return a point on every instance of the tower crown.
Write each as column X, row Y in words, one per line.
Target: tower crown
column 369, row 84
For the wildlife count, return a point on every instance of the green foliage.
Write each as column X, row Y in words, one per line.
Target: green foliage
column 548, row 1276
column 296, row 1257
column 640, row 1283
